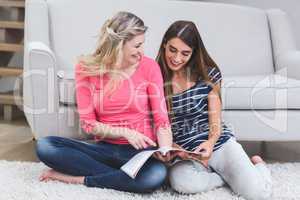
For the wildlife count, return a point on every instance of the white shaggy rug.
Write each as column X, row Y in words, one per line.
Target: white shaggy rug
column 19, row 181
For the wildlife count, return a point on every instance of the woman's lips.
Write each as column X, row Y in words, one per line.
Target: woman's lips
column 175, row 64
column 138, row 57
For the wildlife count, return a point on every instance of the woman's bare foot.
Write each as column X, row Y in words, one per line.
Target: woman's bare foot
column 256, row 159
column 51, row 174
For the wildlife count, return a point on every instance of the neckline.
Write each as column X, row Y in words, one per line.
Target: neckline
column 131, row 76
column 184, row 91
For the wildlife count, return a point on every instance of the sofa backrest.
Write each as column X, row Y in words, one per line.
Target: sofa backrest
column 238, row 38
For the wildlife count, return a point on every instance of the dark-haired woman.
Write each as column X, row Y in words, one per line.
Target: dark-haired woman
column 192, row 85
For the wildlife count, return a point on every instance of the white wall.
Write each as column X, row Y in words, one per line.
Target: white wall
column 291, row 7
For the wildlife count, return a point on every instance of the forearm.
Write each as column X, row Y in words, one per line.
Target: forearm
column 214, row 127
column 164, row 136
column 214, row 133
column 214, row 114
column 108, row 131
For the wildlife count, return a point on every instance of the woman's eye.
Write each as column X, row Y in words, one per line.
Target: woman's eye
column 138, row 45
column 172, row 50
column 185, row 54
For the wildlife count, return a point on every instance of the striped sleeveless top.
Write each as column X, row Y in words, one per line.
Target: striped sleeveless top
column 190, row 115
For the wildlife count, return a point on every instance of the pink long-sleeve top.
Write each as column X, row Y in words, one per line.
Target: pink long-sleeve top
column 137, row 103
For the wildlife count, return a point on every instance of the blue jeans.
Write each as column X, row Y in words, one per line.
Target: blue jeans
column 100, row 164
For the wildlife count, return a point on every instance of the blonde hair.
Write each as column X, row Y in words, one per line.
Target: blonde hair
column 114, row 33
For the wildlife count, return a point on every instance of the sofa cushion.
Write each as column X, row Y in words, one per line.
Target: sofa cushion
column 260, row 92
column 238, row 92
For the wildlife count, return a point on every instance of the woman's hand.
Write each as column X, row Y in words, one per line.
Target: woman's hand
column 138, row 140
column 171, row 156
column 180, row 154
column 205, row 149
column 163, row 158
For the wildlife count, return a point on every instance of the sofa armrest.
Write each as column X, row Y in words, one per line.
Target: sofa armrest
column 285, row 54
column 282, row 36
column 289, row 64
column 38, row 47
column 40, row 89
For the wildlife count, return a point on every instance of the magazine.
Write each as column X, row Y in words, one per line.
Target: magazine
column 132, row 167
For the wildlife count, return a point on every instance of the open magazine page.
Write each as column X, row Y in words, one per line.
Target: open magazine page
column 132, row 167
column 192, row 155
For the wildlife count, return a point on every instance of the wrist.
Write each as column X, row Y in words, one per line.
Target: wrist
column 164, row 145
column 125, row 134
column 164, row 137
column 128, row 133
column 212, row 141
column 164, row 142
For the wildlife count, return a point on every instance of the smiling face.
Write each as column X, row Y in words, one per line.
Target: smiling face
column 177, row 54
column 133, row 50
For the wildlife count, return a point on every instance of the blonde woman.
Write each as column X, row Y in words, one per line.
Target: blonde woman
column 117, row 88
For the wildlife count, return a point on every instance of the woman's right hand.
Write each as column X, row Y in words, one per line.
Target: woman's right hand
column 182, row 155
column 138, row 140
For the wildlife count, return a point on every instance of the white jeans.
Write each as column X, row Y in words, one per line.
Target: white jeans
column 231, row 165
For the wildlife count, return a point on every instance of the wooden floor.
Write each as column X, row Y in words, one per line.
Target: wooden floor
column 16, row 141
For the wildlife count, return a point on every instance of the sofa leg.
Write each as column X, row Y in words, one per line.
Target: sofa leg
column 8, row 112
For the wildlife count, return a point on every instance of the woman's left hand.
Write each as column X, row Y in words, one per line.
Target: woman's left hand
column 205, row 149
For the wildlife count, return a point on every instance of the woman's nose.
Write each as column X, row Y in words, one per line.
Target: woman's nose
column 141, row 50
column 177, row 58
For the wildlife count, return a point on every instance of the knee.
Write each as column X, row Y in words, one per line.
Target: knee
column 44, row 147
column 180, row 176
column 153, row 177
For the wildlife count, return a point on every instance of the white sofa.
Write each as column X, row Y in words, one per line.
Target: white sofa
column 254, row 48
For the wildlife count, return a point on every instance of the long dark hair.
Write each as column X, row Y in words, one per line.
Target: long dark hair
column 199, row 62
